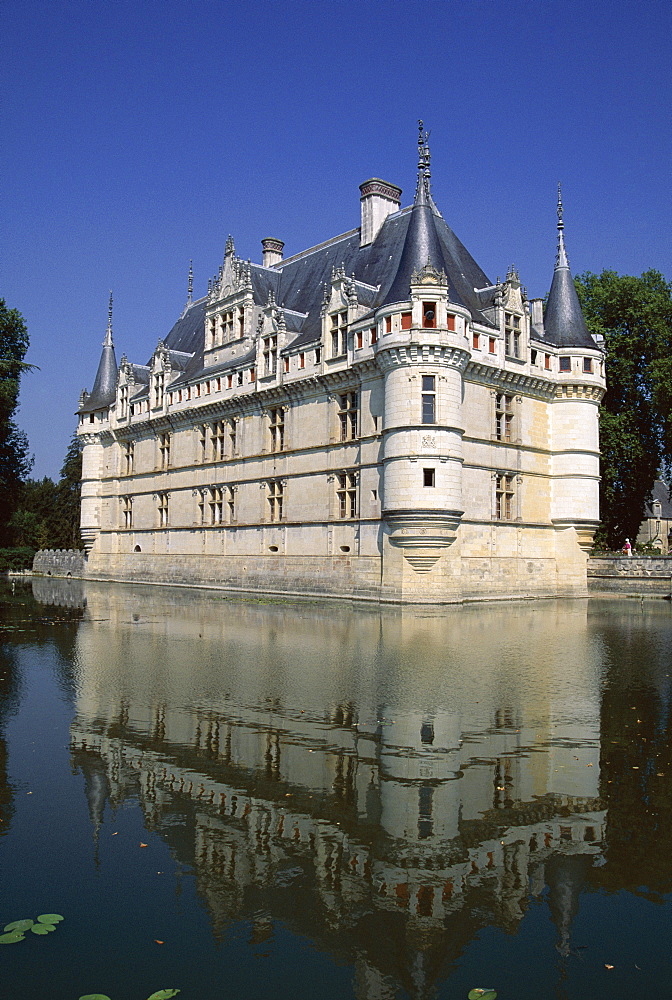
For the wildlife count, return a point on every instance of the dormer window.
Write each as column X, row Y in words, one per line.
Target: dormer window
column 270, row 354
column 512, row 335
column 339, row 334
column 123, row 401
column 241, row 321
column 159, row 378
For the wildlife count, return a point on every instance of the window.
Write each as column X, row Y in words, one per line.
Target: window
column 504, row 496
column 450, row 321
column 373, row 336
column 229, row 381
column 533, row 356
column 302, row 360
column 565, row 364
column 275, row 499
column 203, row 443
column 503, row 417
column 231, row 503
column 252, row 375
column 164, row 450
column 475, row 341
column 218, row 440
column 360, row 339
column 276, row 418
column 239, row 378
column 158, row 388
column 348, row 414
column 429, row 315
column 127, row 511
column 588, row 365
column 318, row 355
column 346, row 491
column 388, row 324
column 233, row 428
column 128, row 458
column 491, row 345
column 270, row 354
column 201, row 506
column 285, row 365
column 123, row 401
column 163, row 509
column 216, row 504
column 339, row 334
column 512, row 335
column 428, row 477
column 547, row 362
column 429, row 399
column 241, row 321
column 406, row 321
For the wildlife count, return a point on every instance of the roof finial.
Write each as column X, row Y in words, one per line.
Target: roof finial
column 424, row 172
column 108, row 336
column 190, row 283
column 561, row 259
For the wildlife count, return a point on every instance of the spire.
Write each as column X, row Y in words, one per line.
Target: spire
column 108, row 336
column 105, row 386
column 190, row 283
column 561, row 260
column 564, row 324
column 422, row 245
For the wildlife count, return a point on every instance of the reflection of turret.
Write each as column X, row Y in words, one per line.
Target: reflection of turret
column 96, row 785
column 566, row 876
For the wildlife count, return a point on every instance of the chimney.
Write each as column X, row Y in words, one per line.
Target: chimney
column 537, row 306
column 379, row 199
column 272, row 251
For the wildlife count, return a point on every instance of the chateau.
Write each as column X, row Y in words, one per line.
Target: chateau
column 371, row 417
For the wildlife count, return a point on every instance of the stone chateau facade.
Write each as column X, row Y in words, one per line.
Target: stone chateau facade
column 371, row 417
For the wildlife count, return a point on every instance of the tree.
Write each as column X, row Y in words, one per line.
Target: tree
column 634, row 316
column 68, row 496
column 15, row 460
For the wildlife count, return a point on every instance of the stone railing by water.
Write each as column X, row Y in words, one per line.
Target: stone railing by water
column 645, row 576
column 58, row 562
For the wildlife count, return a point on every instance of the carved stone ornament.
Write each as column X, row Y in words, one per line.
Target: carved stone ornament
column 429, row 275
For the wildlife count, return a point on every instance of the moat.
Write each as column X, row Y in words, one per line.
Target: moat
column 308, row 799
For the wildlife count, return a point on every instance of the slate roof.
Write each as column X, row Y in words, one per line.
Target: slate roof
column 564, row 325
column 661, row 493
column 105, row 384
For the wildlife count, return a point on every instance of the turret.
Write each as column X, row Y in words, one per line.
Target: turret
column 423, row 358
column 574, row 416
column 93, row 421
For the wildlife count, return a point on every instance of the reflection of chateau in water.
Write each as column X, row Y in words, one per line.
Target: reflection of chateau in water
column 384, row 782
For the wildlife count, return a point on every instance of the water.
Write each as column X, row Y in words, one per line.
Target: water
column 239, row 798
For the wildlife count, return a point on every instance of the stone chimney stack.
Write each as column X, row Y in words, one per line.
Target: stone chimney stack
column 537, row 307
column 379, row 199
column 272, row 251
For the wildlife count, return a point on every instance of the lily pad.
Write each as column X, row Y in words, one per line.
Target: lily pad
column 163, row 994
column 95, row 996
column 19, row 925
column 12, row 937
column 50, row 918
column 42, row 928
column 480, row 994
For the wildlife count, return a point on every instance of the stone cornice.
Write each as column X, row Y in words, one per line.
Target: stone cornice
column 401, row 355
column 504, row 378
column 578, row 390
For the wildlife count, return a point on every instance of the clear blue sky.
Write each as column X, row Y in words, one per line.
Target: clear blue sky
column 137, row 135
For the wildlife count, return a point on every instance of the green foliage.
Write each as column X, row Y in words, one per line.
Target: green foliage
column 15, row 460
column 16, row 559
column 48, row 512
column 481, row 994
column 159, row 995
column 634, row 316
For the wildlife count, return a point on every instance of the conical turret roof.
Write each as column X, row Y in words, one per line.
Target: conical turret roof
column 564, row 324
column 105, row 385
column 422, row 244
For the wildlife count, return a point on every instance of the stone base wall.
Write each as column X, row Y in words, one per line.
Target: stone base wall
column 59, row 562
column 636, row 576
column 453, row 579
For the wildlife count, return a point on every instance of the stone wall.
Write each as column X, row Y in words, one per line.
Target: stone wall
column 635, row 576
column 58, row 562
